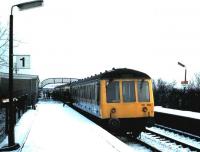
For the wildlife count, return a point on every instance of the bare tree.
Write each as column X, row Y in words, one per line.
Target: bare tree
column 163, row 91
column 4, row 46
column 197, row 80
column 4, row 42
column 195, row 83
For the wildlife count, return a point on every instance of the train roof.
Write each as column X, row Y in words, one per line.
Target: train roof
column 115, row 74
column 123, row 73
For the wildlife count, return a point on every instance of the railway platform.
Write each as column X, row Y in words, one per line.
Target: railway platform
column 52, row 127
column 186, row 121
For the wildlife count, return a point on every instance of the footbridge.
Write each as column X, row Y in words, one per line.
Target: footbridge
column 57, row 81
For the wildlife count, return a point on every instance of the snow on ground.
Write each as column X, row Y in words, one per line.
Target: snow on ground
column 53, row 127
column 22, row 128
column 176, row 136
column 188, row 114
column 137, row 147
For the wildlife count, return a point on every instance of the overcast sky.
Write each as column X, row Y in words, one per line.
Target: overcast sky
column 79, row 38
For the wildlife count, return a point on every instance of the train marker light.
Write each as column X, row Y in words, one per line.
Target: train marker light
column 144, row 109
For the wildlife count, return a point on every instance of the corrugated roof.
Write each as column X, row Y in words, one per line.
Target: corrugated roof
column 19, row 76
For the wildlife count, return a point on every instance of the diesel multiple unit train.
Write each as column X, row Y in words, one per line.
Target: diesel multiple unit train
column 121, row 98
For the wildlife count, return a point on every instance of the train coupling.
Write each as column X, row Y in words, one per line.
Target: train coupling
column 150, row 122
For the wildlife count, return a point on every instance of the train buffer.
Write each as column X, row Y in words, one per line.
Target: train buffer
column 52, row 127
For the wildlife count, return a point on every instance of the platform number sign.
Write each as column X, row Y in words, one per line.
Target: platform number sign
column 23, row 61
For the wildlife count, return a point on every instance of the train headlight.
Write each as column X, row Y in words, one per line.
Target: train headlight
column 144, row 109
column 113, row 110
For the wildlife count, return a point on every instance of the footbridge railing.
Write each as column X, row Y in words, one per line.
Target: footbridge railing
column 57, row 81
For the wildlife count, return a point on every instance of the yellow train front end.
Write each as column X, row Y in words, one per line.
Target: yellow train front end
column 121, row 99
column 127, row 104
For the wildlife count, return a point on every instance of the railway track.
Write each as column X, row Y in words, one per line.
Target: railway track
column 161, row 138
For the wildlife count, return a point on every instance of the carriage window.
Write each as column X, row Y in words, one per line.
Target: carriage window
column 143, row 91
column 112, row 91
column 128, row 91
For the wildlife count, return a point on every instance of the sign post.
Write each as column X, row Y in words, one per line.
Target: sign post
column 184, row 84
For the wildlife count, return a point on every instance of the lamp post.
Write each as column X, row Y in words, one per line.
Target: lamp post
column 11, row 137
column 185, row 81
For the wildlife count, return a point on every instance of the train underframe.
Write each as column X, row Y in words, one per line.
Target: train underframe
column 124, row 126
column 120, row 126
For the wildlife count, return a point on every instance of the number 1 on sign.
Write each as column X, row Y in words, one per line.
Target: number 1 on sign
column 23, row 61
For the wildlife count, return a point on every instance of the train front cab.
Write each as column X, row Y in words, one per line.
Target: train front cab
column 130, row 107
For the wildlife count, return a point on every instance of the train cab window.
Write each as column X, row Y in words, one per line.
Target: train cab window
column 128, row 91
column 112, row 91
column 143, row 91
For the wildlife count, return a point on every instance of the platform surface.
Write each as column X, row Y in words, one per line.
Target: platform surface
column 54, row 128
column 182, row 113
